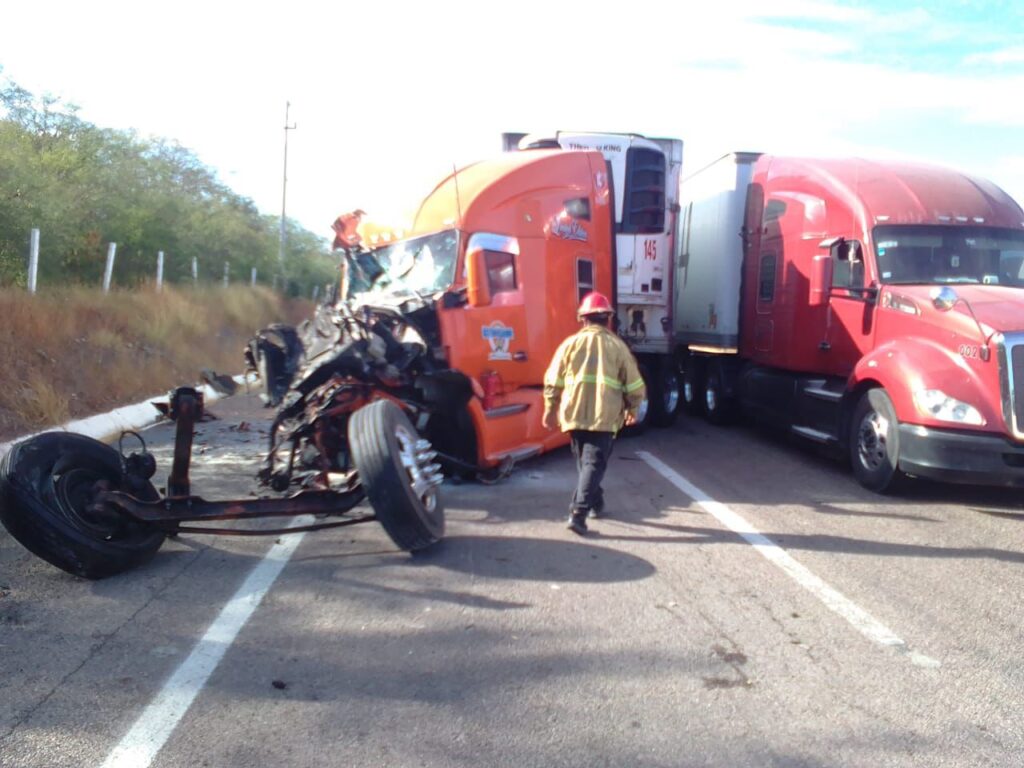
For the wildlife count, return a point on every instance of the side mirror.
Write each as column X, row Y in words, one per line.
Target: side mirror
column 821, row 280
column 478, row 288
column 944, row 298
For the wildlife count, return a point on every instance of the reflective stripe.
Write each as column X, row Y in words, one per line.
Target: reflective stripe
column 557, row 383
column 633, row 386
column 590, row 378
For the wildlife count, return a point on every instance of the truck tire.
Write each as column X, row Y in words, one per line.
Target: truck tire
column 644, row 412
column 875, row 442
column 718, row 408
column 693, row 386
column 46, row 485
column 664, row 392
column 396, row 472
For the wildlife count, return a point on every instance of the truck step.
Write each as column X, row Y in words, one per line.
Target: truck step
column 519, row 454
column 818, row 391
column 815, row 434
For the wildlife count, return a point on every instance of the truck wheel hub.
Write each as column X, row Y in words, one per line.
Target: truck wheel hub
column 711, row 399
column 671, row 396
column 417, row 459
column 872, row 441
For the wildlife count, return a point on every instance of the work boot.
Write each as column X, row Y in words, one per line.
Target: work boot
column 578, row 523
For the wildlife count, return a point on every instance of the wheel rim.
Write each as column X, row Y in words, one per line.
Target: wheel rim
column 873, row 441
column 670, row 396
column 711, row 399
column 423, row 475
column 641, row 411
column 688, row 393
column 75, row 492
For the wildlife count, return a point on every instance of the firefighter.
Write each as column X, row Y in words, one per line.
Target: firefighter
column 591, row 389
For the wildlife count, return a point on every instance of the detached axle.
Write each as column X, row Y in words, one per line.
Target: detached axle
column 185, row 408
column 86, row 508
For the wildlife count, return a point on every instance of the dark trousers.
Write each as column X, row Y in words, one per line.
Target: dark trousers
column 592, row 450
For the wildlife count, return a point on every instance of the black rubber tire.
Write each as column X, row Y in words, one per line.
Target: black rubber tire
column 45, row 483
column 874, row 443
column 373, row 438
column 718, row 409
column 665, row 393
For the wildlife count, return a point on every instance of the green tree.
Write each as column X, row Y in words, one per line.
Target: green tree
column 84, row 186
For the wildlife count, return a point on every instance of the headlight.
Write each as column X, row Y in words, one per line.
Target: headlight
column 939, row 405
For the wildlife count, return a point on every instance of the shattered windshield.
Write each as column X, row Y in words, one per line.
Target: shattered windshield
column 421, row 264
column 926, row 255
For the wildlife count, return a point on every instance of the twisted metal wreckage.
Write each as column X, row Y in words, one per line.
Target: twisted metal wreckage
column 362, row 397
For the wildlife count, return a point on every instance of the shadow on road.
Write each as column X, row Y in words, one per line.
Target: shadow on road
column 687, row 534
column 501, row 557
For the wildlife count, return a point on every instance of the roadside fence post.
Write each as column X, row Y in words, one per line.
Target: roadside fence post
column 159, row 271
column 226, row 268
column 316, row 291
column 275, row 283
column 253, row 277
column 33, row 261
column 108, row 272
column 195, row 270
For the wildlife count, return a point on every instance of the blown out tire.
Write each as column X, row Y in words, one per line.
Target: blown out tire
column 875, row 442
column 47, row 484
column 379, row 435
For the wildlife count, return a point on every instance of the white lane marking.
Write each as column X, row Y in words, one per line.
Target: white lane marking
column 861, row 620
column 155, row 725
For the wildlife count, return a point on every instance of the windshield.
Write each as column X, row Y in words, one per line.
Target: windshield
column 421, row 265
column 925, row 255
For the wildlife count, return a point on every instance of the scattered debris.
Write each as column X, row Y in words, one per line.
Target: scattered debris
column 224, row 385
column 279, row 684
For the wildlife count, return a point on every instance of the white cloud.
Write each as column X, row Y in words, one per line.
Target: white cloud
column 388, row 96
column 1014, row 55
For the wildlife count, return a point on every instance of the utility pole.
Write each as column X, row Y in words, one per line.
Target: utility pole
column 284, row 180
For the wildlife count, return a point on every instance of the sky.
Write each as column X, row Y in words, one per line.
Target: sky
column 387, row 96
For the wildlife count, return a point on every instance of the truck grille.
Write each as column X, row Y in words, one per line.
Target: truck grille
column 1017, row 391
column 1011, row 364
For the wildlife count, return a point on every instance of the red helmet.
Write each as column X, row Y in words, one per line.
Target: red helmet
column 594, row 303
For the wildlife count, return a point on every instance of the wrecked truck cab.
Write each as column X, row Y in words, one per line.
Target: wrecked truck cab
column 487, row 280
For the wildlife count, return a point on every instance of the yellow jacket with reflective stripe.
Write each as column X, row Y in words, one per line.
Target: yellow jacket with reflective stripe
column 592, row 381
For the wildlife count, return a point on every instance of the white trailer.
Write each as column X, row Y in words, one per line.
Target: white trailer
column 708, row 275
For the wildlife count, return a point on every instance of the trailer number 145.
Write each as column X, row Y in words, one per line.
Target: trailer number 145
column 651, row 250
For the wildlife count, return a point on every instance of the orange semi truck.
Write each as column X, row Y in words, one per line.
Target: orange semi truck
column 492, row 270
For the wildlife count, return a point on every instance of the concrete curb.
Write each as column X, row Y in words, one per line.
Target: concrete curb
column 108, row 425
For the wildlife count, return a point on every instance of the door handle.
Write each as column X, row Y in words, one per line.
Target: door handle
column 519, row 357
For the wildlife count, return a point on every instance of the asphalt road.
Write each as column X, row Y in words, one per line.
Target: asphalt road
column 784, row 617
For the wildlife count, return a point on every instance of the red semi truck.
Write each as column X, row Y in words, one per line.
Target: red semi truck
column 874, row 307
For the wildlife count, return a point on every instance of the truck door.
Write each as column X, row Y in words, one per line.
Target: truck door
column 494, row 336
column 849, row 325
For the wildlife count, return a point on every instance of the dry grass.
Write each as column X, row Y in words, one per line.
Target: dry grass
column 37, row 400
column 75, row 352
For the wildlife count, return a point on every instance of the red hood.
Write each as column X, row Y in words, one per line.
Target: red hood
column 1000, row 308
